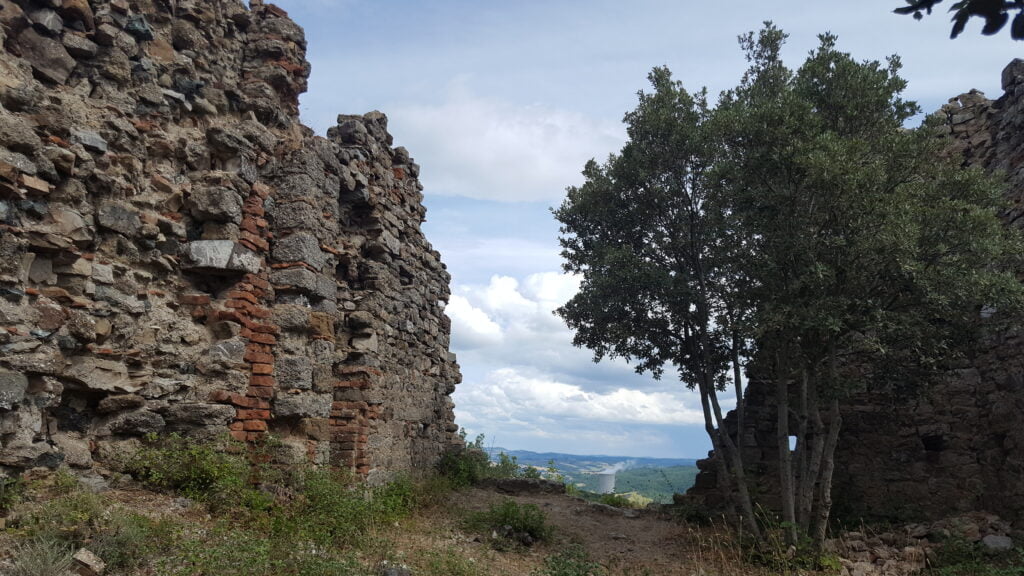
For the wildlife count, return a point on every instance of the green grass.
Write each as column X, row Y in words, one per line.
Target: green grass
column 573, row 561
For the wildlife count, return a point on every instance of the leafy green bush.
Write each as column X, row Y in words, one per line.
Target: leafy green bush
column 204, row 472
column 573, row 561
column 512, row 522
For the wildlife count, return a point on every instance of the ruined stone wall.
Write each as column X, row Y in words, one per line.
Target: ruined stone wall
column 179, row 254
column 960, row 447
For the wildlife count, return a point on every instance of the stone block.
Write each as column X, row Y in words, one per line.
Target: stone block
column 215, row 203
column 88, row 564
column 294, row 372
column 46, row 21
column 199, row 415
column 91, row 140
column 79, row 46
column 305, row 281
column 296, row 216
column 303, row 406
column 100, row 374
column 120, row 217
column 49, row 60
column 137, row 423
column 300, row 247
column 221, row 255
column 12, row 388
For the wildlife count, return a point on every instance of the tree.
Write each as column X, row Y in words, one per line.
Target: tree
column 871, row 257
column 798, row 228
column 995, row 13
column 645, row 234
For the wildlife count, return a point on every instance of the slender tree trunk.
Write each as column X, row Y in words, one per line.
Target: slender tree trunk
column 809, row 475
column 739, row 475
column 785, row 457
column 720, row 458
column 802, row 452
column 731, row 452
column 737, row 378
column 825, row 483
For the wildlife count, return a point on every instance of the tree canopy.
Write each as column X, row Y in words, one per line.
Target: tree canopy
column 795, row 230
column 995, row 13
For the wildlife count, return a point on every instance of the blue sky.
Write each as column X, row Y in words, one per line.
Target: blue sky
column 502, row 103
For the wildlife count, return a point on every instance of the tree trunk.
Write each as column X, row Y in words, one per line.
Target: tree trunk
column 737, row 378
column 810, row 474
column 785, row 457
column 825, row 482
column 720, row 458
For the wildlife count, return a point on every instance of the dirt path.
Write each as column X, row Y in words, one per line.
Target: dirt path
column 628, row 542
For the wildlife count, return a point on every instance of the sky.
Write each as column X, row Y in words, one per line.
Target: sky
column 502, row 103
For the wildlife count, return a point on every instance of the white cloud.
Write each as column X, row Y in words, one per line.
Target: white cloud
column 506, row 394
column 480, row 147
column 471, row 326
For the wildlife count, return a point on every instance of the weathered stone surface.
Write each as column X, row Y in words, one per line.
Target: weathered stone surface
column 138, row 423
column 199, row 415
column 294, row 372
column 88, row 564
column 99, row 374
column 12, row 388
column 300, row 247
column 49, row 60
column 220, row 204
column 178, row 253
column 91, row 140
column 222, row 255
column 46, row 21
column 303, row 405
column 79, row 46
column 120, row 403
column 305, row 281
column 997, row 543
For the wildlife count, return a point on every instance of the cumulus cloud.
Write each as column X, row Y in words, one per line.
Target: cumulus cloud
column 505, row 393
column 527, row 384
column 481, row 147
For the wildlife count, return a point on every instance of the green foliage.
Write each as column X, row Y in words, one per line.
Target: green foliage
column 127, row 539
column 658, row 484
column 469, row 465
column 514, row 523
column 42, row 557
column 573, row 561
column 995, row 13
column 11, row 489
column 73, row 518
column 958, row 557
column 201, row 471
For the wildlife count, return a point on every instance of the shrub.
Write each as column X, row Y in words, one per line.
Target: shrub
column 204, row 472
column 127, row 539
column 11, row 490
column 573, row 561
column 512, row 522
column 464, row 466
column 72, row 518
column 42, row 557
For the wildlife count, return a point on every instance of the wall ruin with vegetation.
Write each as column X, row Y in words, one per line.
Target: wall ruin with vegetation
column 958, row 447
column 178, row 253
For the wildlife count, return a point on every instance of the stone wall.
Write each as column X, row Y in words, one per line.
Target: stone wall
column 179, row 254
column 958, row 448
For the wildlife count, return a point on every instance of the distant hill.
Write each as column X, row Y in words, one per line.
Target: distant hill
column 576, row 464
column 655, row 478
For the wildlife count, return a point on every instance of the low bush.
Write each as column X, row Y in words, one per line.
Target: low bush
column 573, row 561
column 205, row 472
column 513, row 523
